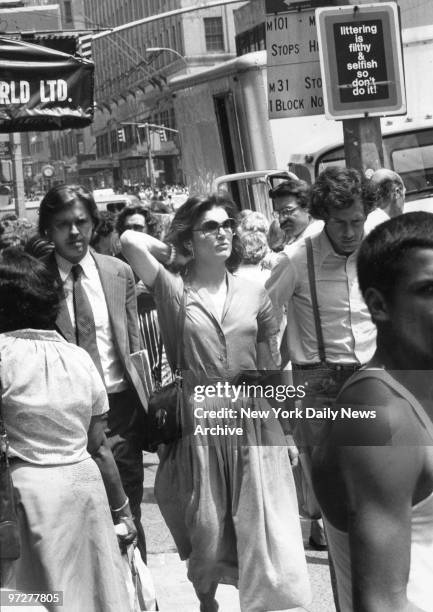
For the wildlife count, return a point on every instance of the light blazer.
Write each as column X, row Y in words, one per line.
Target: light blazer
column 118, row 285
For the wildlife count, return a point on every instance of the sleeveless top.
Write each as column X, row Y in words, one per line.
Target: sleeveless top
column 420, row 584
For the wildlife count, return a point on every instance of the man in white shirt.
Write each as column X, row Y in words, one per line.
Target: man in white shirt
column 328, row 343
column 338, row 198
column 99, row 313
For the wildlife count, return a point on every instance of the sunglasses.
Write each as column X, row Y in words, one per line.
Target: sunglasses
column 213, row 227
column 115, row 207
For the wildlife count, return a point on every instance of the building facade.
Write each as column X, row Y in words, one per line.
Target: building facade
column 133, row 69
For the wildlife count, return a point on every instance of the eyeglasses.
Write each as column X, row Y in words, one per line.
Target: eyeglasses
column 67, row 225
column 213, row 227
column 136, row 227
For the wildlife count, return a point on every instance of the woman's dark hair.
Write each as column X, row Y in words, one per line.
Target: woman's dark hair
column 152, row 224
column 38, row 247
column 62, row 197
column 29, row 294
column 339, row 188
column 383, row 252
column 292, row 187
column 189, row 213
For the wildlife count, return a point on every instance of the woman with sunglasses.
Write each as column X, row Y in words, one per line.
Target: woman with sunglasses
column 229, row 501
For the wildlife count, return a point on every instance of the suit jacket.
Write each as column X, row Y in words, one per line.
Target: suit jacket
column 118, row 284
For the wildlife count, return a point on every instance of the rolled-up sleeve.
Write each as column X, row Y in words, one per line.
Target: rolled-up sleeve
column 281, row 285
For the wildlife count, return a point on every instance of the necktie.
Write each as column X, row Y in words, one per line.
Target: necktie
column 85, row 330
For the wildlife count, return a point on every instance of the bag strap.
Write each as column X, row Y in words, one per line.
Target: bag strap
column 157, row 369
column 314, row 302
column 180, row 327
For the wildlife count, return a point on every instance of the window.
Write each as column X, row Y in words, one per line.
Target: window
column 67, row 5
column 213, row 31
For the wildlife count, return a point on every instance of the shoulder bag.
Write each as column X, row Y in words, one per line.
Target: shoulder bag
column 164, row 418
column 9, row 530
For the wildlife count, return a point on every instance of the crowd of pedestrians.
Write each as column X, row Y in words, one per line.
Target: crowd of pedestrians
column 334, row 297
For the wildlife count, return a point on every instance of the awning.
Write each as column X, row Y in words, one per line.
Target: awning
column 43, row 89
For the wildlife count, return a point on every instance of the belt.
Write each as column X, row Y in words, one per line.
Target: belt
column 342, row 367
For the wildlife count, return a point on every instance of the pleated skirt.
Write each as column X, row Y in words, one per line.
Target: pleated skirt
column 67, row 538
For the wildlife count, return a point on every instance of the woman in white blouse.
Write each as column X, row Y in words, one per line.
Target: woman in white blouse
column 53, row 407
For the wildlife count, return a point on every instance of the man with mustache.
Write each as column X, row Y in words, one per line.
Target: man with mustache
column 290, row 201
column 99, row 313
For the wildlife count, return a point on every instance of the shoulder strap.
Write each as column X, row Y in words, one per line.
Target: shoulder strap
column 391, row 382
column 314, row 302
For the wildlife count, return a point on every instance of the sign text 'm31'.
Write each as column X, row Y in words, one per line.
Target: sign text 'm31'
column 361, row 61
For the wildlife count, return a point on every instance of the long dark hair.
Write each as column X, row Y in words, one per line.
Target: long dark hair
column 29, row 293
column 187, row 216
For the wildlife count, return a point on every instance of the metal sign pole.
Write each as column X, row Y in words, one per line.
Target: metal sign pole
column 149, row 150
column 17, row 173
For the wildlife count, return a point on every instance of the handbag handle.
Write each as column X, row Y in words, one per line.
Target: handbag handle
column 314, row 302
column 180, row 325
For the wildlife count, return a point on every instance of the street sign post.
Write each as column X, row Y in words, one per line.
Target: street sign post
column 361, row 61
column 294, row 78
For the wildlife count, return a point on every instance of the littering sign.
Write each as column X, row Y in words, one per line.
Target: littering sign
column 361, row 60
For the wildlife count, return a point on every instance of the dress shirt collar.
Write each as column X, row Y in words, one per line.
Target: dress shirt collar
column 327, row 250
column 65, row 266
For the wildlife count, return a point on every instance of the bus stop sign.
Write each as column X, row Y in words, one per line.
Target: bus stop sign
column 361, row 61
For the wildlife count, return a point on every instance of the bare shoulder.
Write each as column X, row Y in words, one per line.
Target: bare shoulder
column 372, row 413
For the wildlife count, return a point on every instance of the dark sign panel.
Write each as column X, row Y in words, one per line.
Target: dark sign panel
column 361, row 60
column 361, row 65
column 277, row 6
column 43, row 89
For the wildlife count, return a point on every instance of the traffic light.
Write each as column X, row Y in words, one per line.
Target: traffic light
column 121, row 135
column 162, row 135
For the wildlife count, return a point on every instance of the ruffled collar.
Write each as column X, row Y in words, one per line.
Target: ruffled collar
column 36, row 334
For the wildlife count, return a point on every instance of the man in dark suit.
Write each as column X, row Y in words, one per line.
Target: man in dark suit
column 99, row 313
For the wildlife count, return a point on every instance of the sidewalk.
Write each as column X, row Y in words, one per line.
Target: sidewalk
column 174, row 591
